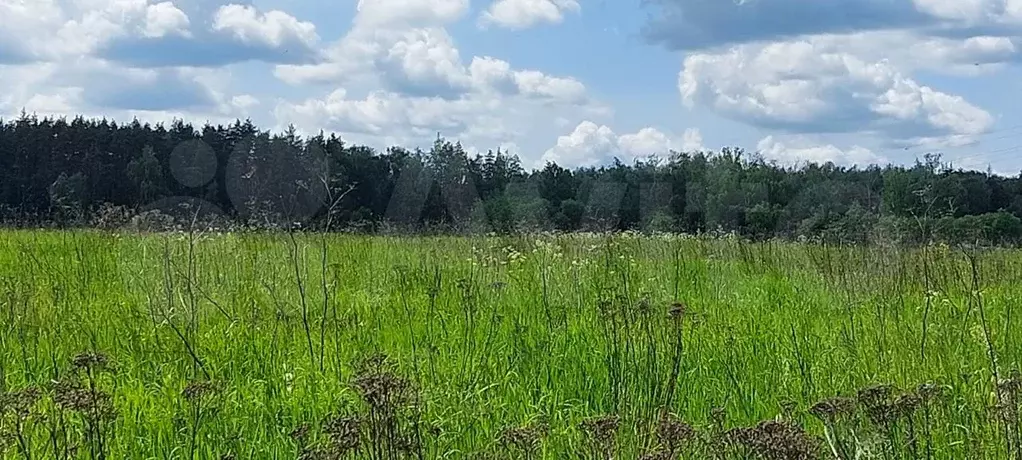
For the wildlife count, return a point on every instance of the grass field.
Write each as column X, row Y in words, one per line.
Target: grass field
column 584, row 346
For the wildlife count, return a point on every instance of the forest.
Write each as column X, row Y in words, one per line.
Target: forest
column 100, row 173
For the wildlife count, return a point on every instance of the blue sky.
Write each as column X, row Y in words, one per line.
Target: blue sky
column 576, row 81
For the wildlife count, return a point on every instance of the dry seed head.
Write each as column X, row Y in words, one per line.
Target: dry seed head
column 406, row 443
column 673, row 432
column 774, row 440
column 928, row 392
column 660, row 454
column 832, row 409
column 523, row 438
column 788, row 408
column 19, row 403
column 1005, row 411
column 299, row 433
column 601, row 429
column 90, row 361
column 90, row 403
column 906, row 404
column 676, row 310
column 344, row 433
column 196, row 391
column 875, row 395
column 1010, row 387
column 718, row 416
column 318, row 453
column 384, row 391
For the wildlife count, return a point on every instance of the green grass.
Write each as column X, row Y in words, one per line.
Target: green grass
column 495, row 333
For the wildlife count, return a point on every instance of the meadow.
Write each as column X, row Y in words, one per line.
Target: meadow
column 232, row 346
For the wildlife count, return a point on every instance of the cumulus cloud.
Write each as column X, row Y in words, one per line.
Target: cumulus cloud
column 859, row 66
column 381, row 111
column 800, row 150
column 424, row 61
column 591, row 144
column 238, row 33
column 397, row 76
column 397, row 13
column 521, row 14
column 164, row 19
column 150, row 33
column 808, row 86
column 273, row 29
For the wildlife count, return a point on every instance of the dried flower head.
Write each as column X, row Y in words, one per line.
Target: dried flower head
column 928, row 392
column 384, row 391
column 406, row 443
column 676, row 310
column 906, row 404
column 875, row 395
column 344, row 433
column 93, row 404
column 1005, row 411
column 601, row 429
column 602, row 434
column 674, row 433
column 196, row 391
column 775, row 440
column 1010, row 387
column 659, row 454
column 719, row 417
column 833, row 409
column 523, row 438
column 318, row 453
column 91, row 361
column 19, row 403
column 299, row 433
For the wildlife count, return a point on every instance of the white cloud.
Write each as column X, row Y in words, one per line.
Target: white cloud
column 420, row 13
column 520, row 14
column 244, row 102
column 692, row 141
column 273, row 28
column 534, row 83
column 381, row 111
column 800, row 150
column 591, row 144
column 809, row 85
column 163, row 19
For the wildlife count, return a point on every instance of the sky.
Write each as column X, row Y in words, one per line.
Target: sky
column 579, row 82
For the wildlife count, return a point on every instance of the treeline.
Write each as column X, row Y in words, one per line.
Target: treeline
column 59, row 172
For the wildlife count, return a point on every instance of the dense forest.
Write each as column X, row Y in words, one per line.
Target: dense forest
column 81, row 172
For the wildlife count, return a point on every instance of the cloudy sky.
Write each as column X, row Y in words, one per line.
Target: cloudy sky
column 575, row 81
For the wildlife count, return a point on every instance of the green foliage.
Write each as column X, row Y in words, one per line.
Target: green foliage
column 55, row 171
column 270, row 345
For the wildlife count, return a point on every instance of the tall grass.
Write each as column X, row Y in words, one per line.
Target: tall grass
column 579, row 346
